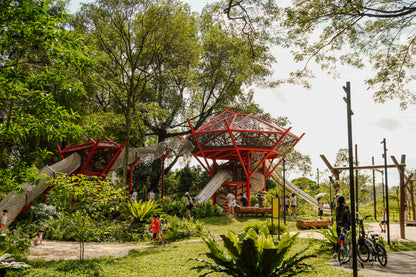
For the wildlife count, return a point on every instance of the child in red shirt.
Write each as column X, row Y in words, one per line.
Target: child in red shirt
column 155, row 225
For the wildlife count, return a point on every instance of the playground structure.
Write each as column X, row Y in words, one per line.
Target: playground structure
column 238, row 146
column 249, row 148
column 92, row 158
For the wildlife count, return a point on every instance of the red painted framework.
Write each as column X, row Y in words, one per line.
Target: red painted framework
column 240, row 153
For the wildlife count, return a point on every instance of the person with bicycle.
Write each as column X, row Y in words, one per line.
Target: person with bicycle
column 343, row 218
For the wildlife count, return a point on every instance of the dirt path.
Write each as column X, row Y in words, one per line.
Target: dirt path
column 68, row 250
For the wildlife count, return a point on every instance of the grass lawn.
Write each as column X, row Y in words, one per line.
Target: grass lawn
column 165, row 261
column 174, row 260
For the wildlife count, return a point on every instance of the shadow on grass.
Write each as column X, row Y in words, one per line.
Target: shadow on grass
column 134, row 253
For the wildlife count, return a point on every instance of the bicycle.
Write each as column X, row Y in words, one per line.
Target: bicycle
column 344, row 252
column 344, row 242
column 377, row 250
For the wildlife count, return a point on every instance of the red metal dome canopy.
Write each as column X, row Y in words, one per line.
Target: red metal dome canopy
column 243, row 140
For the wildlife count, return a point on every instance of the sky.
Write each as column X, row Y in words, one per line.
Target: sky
column 320, row 113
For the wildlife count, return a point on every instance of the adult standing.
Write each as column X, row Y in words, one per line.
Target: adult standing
column 189, row 204
column 151, row 195
column 231, row 202
column 287, row 203
column 133, row 197
column 342, row 216
column 293, row 204
column 320, row 207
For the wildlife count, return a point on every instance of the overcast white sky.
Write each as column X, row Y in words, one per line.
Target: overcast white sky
column 321, row 113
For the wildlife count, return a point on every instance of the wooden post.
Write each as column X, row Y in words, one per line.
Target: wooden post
column 400, row 167
column 412, row 199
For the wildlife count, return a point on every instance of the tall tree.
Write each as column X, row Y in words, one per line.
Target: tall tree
column 39, row 65
column 136, row 41
column 352, row 32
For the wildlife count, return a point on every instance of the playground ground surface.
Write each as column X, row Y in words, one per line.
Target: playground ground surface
column 399, row 263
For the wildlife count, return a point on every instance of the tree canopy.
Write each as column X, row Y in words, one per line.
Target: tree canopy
column 358, row 33
column 40, row 63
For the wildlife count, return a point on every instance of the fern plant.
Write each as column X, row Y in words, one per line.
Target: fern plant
column 330, row 234
column 142, row 212
column 253, row 254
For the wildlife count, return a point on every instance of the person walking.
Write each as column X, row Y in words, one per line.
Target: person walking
column 189, row 204
column 383, row 222
column 293, row 204
column 320, row 207
column 155, row 225
column 231, row 202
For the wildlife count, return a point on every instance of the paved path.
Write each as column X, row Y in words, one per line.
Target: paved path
column 401, row 263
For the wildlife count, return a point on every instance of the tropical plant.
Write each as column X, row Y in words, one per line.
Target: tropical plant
column 143, row 211
column 256, row 226
column 253, row 254
column 180, row 228
column 16, row 243
column 330, row 234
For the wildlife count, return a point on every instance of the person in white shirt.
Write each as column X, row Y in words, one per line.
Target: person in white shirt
column 133, row 196
column 189, row 203
column 151, row 195
column 293, row 204
column 231, row 202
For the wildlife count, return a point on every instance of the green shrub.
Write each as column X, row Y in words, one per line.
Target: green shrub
column 176, row 228
column 207, row 209
column 16, row 243
column 330, row 234
column 256, row 226
column 204, row 209
column 142, row 212
column 253, row 254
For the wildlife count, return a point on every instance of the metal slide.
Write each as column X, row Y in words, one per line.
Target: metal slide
column 276, row 175
column 220, row 177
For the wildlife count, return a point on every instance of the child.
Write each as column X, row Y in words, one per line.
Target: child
column 320, row 207
column 155, row 225
column 160, row 229
column 383, row 222
column 3, row 222
column 39, row 238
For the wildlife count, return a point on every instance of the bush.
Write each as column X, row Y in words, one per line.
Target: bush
column 207, row 209
column 253, row 254
column 16, row 243
column 142, row 212
column 257, row 226
column 330, row 234
column 178, row 228
column 204, row 209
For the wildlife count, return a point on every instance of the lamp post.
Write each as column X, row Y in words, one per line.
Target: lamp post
column 284, row 190
column 347, row 99
column 387, row 189
column 317, row 173
column 374, row 191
